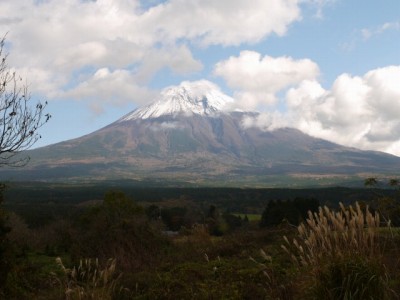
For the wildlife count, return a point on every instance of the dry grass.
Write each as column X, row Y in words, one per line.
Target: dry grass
column 330, row 234
column 342, row 254
column 89, row 280
column 279, row 284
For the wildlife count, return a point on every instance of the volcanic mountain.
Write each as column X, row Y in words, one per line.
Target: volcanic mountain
column 187, row 135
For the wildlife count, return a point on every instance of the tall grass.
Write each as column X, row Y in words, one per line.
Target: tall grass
column 279, row 283
column 89, row 280
column 342, row 252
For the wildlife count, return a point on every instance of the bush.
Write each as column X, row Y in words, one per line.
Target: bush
column 118, row 228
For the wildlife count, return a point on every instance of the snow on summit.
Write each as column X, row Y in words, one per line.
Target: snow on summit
column 198, row 97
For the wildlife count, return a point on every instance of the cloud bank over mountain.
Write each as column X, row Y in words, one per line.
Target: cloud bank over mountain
column 362, row 111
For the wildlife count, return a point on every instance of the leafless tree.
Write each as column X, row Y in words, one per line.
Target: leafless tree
column 19, row 121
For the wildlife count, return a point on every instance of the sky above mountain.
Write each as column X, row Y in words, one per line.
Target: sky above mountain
column 330, row 68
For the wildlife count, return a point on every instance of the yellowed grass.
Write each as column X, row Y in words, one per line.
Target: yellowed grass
column 335, row 234
column 89, row 280
column 341, row 254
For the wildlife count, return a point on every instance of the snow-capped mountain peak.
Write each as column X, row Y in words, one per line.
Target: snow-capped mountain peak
column 198, row 97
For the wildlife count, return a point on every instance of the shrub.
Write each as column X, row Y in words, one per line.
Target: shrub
column 343, row 253
column 118, row 228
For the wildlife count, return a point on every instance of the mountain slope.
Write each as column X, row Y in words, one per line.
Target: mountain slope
column 187, row 136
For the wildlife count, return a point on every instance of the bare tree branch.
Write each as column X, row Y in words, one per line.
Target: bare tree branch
column 19, row 121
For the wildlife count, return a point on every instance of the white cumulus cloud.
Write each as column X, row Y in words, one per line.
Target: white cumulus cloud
column 64, row 41
column 257, row 79
column 107, row 86
column 223, row 22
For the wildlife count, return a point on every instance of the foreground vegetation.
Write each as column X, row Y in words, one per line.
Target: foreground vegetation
column 182, row 249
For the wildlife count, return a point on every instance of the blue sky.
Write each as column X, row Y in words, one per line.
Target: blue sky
column 330, row 68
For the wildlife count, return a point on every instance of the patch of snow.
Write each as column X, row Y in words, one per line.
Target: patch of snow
column 198, row 97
